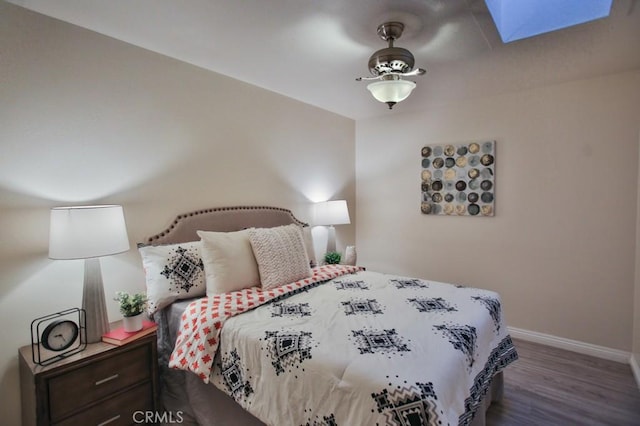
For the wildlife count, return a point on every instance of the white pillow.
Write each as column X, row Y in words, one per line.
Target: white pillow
column 172, row 272
column 229, row 263
column 280, row 253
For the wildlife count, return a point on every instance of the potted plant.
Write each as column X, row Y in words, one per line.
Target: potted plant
column 332, row 258
column 132, row 307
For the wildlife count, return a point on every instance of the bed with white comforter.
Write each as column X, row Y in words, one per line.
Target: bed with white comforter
column 363, row 348
column 339, row 346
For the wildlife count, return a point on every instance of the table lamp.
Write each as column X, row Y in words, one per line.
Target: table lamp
column 89, row 232
column 330, row 213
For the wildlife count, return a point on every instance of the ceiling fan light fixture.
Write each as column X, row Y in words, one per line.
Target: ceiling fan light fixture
column 391, row 91
column 389, row 65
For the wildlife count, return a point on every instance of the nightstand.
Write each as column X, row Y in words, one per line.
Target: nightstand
column 103, row 385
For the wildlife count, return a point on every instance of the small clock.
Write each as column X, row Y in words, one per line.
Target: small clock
column 59, row 335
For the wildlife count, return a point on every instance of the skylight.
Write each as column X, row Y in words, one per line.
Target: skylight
column 517, row 19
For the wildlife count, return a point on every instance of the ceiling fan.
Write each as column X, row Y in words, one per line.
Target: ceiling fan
column 389, row 65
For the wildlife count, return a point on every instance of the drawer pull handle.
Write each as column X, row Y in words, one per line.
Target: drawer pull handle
column 108, row 379
column 112, row 419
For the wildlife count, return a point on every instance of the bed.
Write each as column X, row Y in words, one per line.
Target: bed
column 339, row 346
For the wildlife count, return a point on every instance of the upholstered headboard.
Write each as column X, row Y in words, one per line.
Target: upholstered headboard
column 222, row 219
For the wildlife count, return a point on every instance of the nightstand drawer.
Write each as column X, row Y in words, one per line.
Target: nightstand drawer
column 79, row 387
column 116, row 411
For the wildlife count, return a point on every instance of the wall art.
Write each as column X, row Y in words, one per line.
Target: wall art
column 459, row 180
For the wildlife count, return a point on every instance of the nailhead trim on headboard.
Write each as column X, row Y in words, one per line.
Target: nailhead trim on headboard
column 184, row 216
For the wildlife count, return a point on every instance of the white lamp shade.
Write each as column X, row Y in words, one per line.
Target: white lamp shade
column 332, row 213
column 391, row 90
column 83, row 232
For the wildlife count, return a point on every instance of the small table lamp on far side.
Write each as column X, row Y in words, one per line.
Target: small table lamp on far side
column 330, row 213
column 89, row 232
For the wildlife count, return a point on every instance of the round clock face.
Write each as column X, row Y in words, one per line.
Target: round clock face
column 59, row 335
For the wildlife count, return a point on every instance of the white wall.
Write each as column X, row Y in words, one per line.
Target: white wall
column 561, row 247
column 88, row 119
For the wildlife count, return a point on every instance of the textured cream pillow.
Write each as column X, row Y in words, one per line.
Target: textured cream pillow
column 280, row 253
column 229, row 263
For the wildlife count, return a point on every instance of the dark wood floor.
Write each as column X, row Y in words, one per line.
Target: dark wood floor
column 548, row 386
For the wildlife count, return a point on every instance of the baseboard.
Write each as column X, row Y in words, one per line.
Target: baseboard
column 635, row 367
column 575, row 346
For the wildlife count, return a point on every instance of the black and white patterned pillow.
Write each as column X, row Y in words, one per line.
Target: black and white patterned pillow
column 172, row 272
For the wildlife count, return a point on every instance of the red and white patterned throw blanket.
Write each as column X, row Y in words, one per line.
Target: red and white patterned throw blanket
column 203, row 319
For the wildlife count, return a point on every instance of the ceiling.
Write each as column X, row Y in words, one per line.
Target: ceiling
column 312, row 50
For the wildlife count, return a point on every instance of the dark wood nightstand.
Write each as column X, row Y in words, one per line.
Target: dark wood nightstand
column 103, row 385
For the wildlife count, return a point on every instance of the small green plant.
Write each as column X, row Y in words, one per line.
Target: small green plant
column 332, row 258
column 131, row 305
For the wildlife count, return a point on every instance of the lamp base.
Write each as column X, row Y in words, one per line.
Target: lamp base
column 331, row 239
column 93, row 301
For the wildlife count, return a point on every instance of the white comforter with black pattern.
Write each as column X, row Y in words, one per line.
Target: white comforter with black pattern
column 365, row 349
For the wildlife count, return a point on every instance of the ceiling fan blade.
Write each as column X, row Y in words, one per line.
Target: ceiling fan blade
column 378, row 77
column 417, row 71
